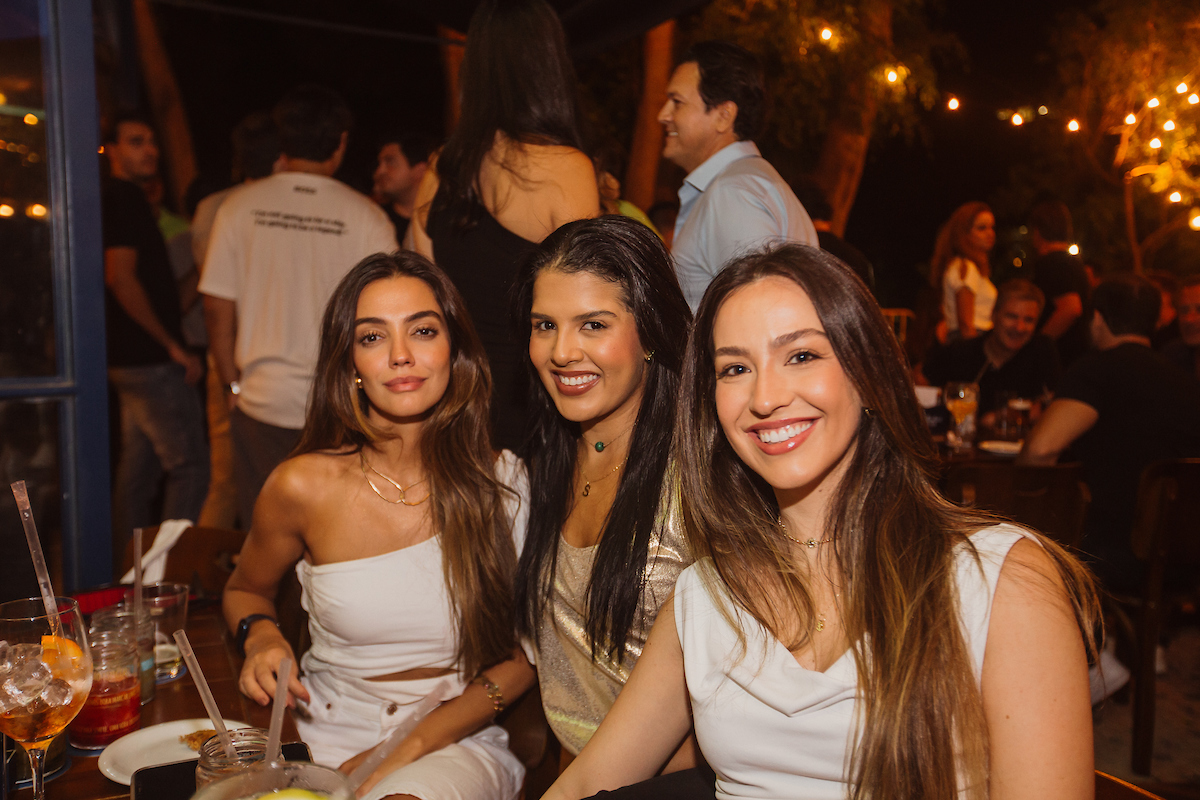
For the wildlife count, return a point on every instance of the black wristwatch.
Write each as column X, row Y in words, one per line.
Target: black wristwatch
column 243, row 630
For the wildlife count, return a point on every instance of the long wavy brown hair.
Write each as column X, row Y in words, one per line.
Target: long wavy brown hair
column 922, row 728
column 467, row 502
column 954, row 241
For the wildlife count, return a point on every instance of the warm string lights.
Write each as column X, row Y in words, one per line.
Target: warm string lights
column 1166, row 122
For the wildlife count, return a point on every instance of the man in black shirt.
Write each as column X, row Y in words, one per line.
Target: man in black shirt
column 1009, row 359
column 1118, row 410
column 403, row 160
column 161, row 419
column 812, row 197
column 1063, row 279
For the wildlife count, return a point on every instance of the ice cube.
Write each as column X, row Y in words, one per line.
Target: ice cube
column 21, row 653
column 57, row 693
column 27, row 681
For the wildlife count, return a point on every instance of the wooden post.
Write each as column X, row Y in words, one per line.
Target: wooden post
column 175, row 142
column 645, row 151
column 452, row 56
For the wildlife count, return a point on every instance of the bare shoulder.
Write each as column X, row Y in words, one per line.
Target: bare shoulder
column 307, row 479
column 1030, row 578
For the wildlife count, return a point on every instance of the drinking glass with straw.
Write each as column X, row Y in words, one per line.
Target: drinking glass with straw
column 45, row 662
column 206, row 695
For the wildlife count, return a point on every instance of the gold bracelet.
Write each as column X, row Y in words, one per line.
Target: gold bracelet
column 493, row 692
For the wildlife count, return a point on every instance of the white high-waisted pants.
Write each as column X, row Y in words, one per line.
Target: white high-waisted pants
column 347, row 720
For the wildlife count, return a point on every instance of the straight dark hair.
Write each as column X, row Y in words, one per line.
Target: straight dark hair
column 467, row 502
column 922, row 730
column 310, row 120
column 729, row 72
column 516, row 79
column 1129, row 304
column 626, row 253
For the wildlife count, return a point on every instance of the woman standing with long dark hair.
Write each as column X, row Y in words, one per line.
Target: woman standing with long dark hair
column 607, row 325
column 845, row 632
column 511, row 173
column 400, row 522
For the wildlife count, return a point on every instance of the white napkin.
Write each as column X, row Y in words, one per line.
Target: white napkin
column 154, row 563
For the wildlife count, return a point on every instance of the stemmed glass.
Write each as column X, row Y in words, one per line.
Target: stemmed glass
column 45, row 675
column 962, row 401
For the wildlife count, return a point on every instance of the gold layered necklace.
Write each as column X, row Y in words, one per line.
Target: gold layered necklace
column 362, row 458
column 811, row 544
column 587, row 482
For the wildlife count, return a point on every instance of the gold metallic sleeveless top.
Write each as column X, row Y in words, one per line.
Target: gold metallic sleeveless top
column 576, row 691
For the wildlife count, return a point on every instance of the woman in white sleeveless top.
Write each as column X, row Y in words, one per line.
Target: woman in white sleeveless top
column 845, row 632
column 960, row 270
column 404, row 527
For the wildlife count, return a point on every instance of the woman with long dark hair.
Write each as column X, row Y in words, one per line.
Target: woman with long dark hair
column 845, row 631
column 400, row 521
column 960, row 270
column 607, row 325
column 512, row 172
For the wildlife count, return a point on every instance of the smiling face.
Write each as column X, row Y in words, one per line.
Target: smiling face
column 693, row 133
column 585, row 347
column 783, row 400
column 982, row 235
column 401, row 349
column 1015, row 322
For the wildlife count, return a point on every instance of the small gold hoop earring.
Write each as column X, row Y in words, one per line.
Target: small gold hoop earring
column 358, row 381
column 649, row 355
column 870, row 412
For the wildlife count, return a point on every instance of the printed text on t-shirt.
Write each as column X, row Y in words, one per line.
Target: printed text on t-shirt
column 299, row 222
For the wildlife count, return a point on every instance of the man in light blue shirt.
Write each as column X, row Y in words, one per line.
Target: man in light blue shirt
column 732, row 200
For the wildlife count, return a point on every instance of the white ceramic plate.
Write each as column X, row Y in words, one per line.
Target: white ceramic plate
column 149, row 747
column 1001, row 448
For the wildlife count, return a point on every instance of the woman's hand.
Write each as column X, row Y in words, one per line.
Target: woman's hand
column 261, row 669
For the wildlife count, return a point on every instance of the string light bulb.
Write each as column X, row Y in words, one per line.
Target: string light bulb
column 1194, row 222
column 1073, row 249
column 6, row 210
column 36, row 210
column 1175, row 197
column 826, row 34
column 31, row 119
column 952, row 104
column 1155, row 143
column 1194, row 98
column 1130, row 119
column 1153, row 102
column 892, row 76
column 1073, row 125
column 1043, row 111
column 1017, row 119
column 1181, row 88
column 1169, row 125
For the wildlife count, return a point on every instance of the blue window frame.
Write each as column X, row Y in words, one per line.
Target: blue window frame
column 53, row 387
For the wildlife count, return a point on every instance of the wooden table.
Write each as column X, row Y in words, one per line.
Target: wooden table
column 176, row 700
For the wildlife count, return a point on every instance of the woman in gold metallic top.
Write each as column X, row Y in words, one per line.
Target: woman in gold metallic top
column 607, row 330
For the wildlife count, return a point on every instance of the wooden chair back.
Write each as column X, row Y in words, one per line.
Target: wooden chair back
column 1052, row 500
column 1166, row 534
column 203, row 558
column 899, row 319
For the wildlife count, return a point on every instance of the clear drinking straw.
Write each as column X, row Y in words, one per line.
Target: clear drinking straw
column 39, row 560
column 139, row 603
column 210, row 703
column 281, row 692
column 385, row 748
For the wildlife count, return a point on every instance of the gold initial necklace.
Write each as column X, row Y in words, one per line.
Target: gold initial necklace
column 587, row 482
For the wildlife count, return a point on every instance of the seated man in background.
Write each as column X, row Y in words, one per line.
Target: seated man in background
column 1119, row 409
column 1012, row 359
column 1184, row 352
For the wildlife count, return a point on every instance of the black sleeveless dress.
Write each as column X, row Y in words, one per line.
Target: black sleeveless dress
column 483, row 262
